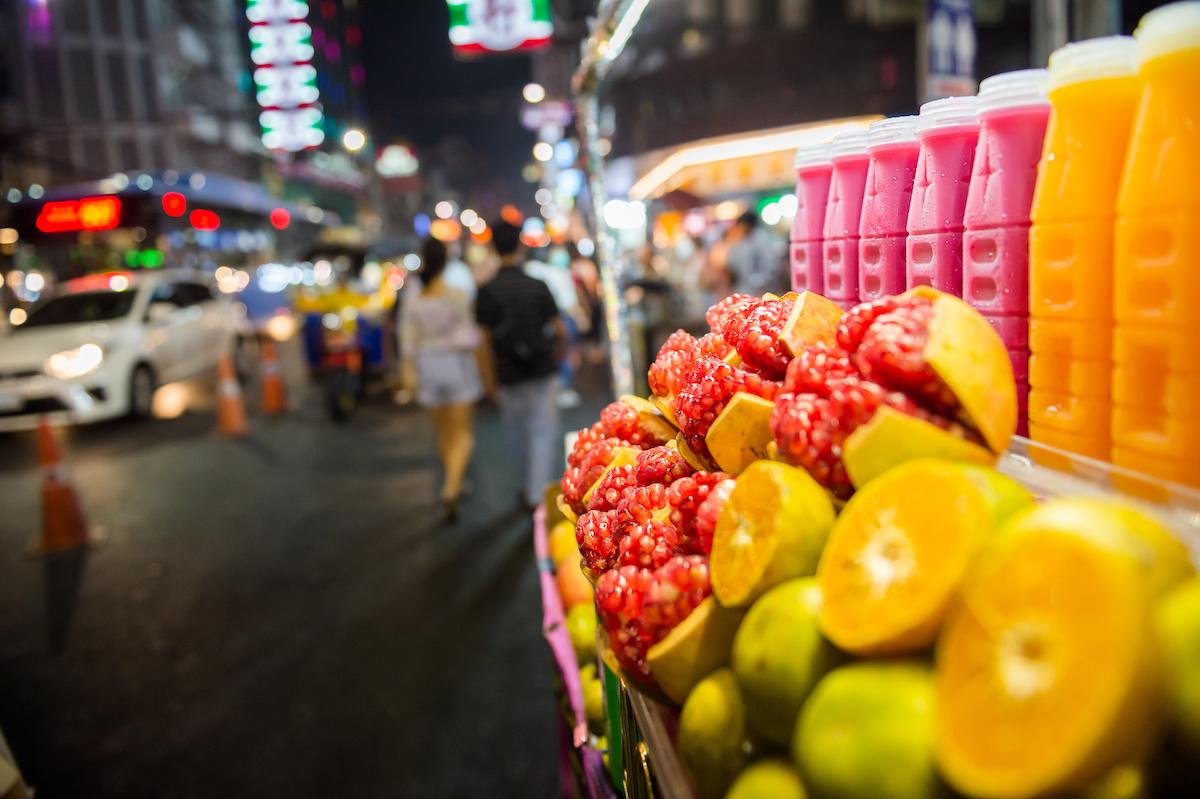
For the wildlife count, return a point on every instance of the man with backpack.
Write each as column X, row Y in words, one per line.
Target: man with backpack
column 528, row 338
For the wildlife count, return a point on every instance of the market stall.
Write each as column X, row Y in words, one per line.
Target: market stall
column 818, row 557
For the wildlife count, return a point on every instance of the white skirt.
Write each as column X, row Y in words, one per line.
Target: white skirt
column 447, row 377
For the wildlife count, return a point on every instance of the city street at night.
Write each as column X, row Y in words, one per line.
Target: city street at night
column 599, row 399
column 284, row 615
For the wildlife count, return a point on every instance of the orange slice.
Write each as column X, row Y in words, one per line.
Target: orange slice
column 1046, row 669
column 895, row 555
column 813, row 320
column 969, row 356
column 698, row 646
column 771, row 529
column 892, row 437
column 648, row 414
column 622, row 456
column 741, row 432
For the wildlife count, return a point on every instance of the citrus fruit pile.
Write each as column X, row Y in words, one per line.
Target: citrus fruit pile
column 799, row 538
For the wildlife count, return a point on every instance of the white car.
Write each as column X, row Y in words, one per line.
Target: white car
column 99, row 346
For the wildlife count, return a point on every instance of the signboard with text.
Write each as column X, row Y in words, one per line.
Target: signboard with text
column 285, row 79
column 499, row 26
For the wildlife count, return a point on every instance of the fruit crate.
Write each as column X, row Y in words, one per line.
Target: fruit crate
column 581, row 765
column 1047, row 472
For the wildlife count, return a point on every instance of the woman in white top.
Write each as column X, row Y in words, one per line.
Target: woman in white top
column 440, row 341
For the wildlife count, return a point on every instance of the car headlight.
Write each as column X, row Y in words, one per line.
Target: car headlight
column 78, row 362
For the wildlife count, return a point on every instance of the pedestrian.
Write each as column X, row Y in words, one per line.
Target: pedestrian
column 440, row 343
column 756, row 257
column 528, row 338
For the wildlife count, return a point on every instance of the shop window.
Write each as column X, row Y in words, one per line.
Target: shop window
column 74, row 15
column 49, row 83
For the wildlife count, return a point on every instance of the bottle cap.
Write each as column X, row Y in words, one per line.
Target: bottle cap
column 949, row 112
column 1013, row 90
column 895, row 130
column 849, row 144
column 812, row 155
column 1167, row 30
column 1094, row 59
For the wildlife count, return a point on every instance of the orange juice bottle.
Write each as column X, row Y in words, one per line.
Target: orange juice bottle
column 1156, row 342
column 1093, row 89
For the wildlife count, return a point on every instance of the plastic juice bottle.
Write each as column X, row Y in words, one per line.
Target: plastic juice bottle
column 813, row 170
column 893, row 147
column 847, row 184
column 1093, row 94
column 1156, row 278
column 1013, row 110
column 948, row 130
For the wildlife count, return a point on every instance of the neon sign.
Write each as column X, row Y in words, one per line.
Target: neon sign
column 285, row 82
column 499, row 26
column 89, row 213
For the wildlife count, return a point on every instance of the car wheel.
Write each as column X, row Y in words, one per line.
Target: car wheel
column 141, row 392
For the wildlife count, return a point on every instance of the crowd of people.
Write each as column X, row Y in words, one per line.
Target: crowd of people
column 516, row 330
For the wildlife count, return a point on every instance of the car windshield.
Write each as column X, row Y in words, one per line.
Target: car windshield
column 92, row 306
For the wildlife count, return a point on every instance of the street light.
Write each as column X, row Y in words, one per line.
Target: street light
column 543, row 151
column 533, row 93
column 354, row 140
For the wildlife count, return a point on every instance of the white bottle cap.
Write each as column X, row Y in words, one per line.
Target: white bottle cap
column 895, row 130
column 848, row 144
column 812, row 155
column 949, row 112
column 1094, row 59
column 1167, row 30
column 1013, row 90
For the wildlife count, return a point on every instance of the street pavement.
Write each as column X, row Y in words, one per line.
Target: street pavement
column 285, row 616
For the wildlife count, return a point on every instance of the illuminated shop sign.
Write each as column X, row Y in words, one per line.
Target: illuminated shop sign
column 88, row 213
column 499, row 26
column 285, row 82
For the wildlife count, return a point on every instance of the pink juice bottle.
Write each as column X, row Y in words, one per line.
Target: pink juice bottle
column 843, row 213
column 949, row 133
column 1013, row 111
column 883, row 229
column 813, row 170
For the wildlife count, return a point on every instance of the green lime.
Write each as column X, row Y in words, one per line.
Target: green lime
column 866, row 732
column 767, row 779
column 778, row 656
column 713, row 741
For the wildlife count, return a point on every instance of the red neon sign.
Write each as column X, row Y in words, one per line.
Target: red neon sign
column 89, row 213
column 280, row 218
column 203, row 219
column 174, row 204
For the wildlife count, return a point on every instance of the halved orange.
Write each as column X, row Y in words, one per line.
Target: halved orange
column 1047, row 673
column 900, row 548
column 772, row 528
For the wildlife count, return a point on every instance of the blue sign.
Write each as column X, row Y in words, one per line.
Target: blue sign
column 950, row 46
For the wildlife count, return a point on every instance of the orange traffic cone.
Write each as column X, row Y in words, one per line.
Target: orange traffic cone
column 274, row 392
column 231, row 411
column 63, row 524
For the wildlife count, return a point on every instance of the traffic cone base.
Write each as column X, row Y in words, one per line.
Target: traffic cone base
column 274, row 392
column 64, row 526
column 231, row 411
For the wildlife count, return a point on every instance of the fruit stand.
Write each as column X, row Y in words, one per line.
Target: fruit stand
column 818, row 560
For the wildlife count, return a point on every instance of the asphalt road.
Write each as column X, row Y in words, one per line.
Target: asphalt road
column 279, row 617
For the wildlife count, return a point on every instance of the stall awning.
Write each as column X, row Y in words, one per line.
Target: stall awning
column 743, row 162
